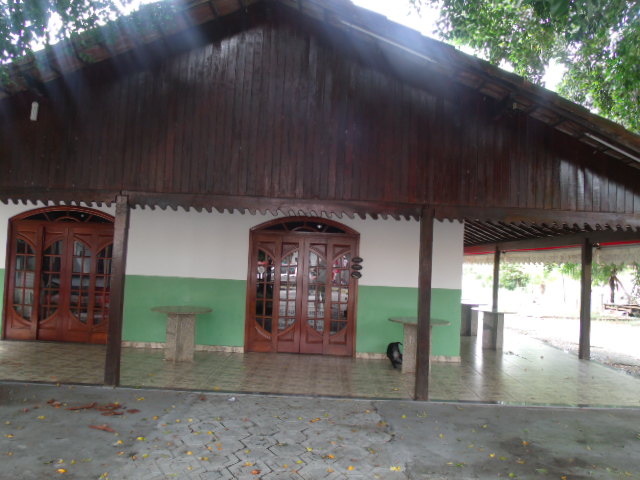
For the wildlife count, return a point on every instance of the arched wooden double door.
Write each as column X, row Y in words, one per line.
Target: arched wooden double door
column 301, row 295
column 58, row 276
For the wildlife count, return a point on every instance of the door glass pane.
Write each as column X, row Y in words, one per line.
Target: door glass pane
column 24, row 279
column 316, row 291
column 288, row 293
column 50, row 280
column 265, row 280
column 103, row 284
column 80, row 281
column 340, row 293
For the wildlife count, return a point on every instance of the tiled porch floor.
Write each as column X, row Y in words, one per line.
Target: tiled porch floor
column 526, row 372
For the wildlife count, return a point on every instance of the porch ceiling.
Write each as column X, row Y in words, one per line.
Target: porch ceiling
column 419, row 60
column 481, row 236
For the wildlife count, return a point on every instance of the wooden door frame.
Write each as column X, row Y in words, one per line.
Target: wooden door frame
column 10, row 233
column 263, row 229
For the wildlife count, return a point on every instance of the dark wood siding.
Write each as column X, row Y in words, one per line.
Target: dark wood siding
column 279, row 110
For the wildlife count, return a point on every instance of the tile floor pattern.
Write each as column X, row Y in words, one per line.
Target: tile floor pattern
column 525, row 372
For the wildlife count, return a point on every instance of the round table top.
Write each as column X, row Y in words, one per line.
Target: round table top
column 182, row 310
column 435, row 322
column 486, row 309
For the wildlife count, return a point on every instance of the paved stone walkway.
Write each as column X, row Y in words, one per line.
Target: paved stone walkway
column 169, row 434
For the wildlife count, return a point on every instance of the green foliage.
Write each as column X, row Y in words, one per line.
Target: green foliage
column 25, row 24
column 600, row 274
column 33, row 24
column 28, row 26
column 513, row 276
column 635, row 290
column 596, row 40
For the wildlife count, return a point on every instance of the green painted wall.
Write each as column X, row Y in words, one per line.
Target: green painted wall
column 225, row 325
column 377, row 304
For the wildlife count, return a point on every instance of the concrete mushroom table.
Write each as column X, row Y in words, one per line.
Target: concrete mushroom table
column 181, row 331
column 492, row 328
column 411, row 340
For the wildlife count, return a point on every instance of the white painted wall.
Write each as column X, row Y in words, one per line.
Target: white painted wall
column 215, row 245
column 448, row 255
column 190, row 244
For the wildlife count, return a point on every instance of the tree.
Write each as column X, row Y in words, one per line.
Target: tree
column 513, row 276
column 25, row 25
column 596, row 40
column 601, row 274
column 635, row 289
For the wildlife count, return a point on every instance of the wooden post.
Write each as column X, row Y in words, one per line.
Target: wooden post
column 424, row 305
column 496, row 279
column 585, row 301
column 116, row 303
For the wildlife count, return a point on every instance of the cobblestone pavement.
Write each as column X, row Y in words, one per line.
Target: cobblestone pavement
column 167, row 434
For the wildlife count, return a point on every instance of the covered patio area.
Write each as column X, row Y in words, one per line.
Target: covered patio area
column 526, row 372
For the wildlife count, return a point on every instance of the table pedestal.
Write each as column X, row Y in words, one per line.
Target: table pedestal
column 410, row 344
column 469, row 320
column 181, row 331
column 181, row 337
column 492, row 330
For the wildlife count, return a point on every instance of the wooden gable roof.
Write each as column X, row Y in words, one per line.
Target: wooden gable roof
column 511, row 92
column 308, row 107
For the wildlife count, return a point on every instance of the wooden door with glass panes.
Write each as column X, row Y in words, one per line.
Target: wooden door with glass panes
column 58, row 281
column 301, row 295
